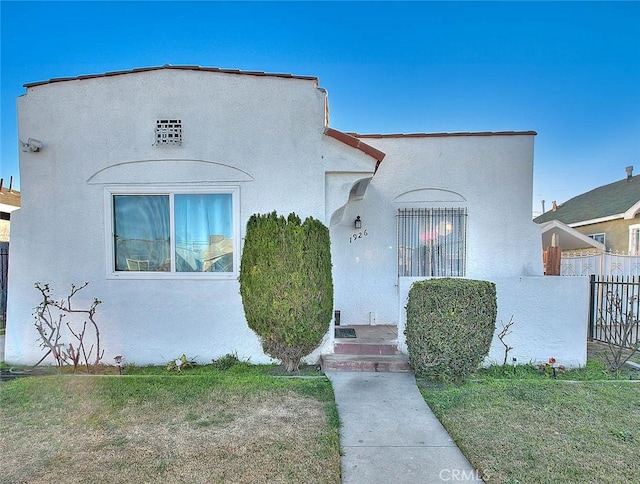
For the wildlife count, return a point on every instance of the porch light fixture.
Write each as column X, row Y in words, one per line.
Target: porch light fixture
column 358, row 223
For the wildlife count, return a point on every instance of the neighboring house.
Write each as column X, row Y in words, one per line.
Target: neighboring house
column 580, row 255
column 558, row 234
column 9, row 201
column 162, row 167
column 557, row 238
column 609, row 214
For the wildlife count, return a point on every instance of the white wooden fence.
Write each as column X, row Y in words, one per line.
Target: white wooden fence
column 605, row 264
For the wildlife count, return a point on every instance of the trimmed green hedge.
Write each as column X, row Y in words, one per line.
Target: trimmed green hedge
column 286, row 284
column 450, row 325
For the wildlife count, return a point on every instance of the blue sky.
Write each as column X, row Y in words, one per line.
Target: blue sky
column 570, row 71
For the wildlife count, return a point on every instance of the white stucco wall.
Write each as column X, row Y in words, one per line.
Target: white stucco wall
column 262, row 135
column 491, row 176
column 550, row 319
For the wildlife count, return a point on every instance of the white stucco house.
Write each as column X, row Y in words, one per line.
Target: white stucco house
column 143, row 180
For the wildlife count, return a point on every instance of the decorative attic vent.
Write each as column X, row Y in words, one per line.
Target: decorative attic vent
column 168, row 131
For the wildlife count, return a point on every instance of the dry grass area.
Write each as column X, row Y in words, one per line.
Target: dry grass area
column 166, row 429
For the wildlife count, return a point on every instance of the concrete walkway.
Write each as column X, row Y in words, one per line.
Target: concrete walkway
column 390, row 435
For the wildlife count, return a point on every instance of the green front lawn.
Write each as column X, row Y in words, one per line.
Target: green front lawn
column 530, row 428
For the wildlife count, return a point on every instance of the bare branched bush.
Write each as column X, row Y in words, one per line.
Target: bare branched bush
column 617, row 324
column 506, row 330
column 57, row 322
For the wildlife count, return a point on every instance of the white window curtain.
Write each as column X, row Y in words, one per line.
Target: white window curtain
column 202, row 239
column 204, row 232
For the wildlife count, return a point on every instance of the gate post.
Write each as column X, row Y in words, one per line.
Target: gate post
column 592, row 303
column 552, row 258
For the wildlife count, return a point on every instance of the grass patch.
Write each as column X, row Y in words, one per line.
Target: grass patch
column 544, row 430
column 598, row 351
column 224, row 366
column 594, row 370
column 238, row 425
column 519, row 425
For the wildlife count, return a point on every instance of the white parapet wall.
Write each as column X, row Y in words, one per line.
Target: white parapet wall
column 550, row 315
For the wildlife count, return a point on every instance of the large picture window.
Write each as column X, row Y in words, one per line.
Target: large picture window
column 174, row 232
column 431, row 242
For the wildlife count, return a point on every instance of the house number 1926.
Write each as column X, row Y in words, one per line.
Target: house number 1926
column 358, row 235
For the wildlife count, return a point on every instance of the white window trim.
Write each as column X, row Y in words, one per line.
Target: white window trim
column 633, row 250
column 110, row 191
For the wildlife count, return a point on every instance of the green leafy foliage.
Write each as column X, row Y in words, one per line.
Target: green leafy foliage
column 225, row 362
column 450, row 325
column 286, row 284
column 181, row 363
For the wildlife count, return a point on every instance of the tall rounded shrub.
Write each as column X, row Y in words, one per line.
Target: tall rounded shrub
column 286, row 284
column 450, row 325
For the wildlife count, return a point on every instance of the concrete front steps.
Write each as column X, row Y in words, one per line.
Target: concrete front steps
column 375, row 348
column 386, row 363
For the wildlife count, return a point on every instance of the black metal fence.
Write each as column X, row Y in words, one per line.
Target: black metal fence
column 614, row 316
column 4, row 280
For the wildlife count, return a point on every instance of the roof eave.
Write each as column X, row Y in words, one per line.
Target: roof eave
column 169, row 66
column 576, row 240
column 444, row 135
column 356, row 143
column 7, row 208
column 632, row 211
column 597, row 220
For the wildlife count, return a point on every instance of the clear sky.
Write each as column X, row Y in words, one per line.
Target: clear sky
column 569, row 71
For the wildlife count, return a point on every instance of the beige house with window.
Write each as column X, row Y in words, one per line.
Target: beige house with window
column 163, row 166
column 609, row 214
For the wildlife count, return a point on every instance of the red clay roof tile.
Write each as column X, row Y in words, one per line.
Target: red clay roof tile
column 356, row 143
column 441, row 135
column 168, row 66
